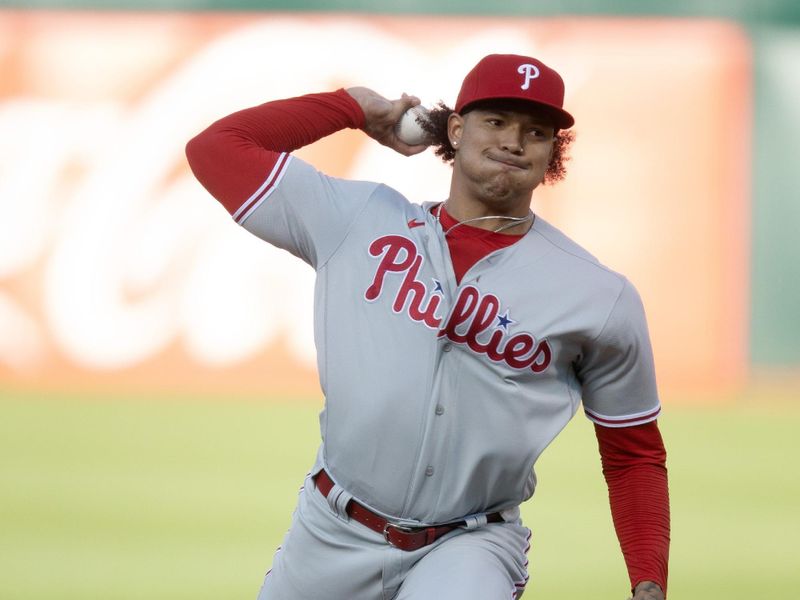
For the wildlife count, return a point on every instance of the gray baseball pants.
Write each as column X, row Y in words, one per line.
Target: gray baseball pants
column 327, row 556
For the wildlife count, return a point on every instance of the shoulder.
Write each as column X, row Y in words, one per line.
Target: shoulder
column 301, row 175
column 577, row 264
column 568, row 248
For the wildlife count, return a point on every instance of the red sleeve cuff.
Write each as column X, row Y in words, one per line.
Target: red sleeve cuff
column 357, row 118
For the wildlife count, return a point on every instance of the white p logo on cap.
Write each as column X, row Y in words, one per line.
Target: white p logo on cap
column 530, row 71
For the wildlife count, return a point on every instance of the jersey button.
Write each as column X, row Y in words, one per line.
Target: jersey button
column 447, row 347
column 429, row 471
column 439, row 410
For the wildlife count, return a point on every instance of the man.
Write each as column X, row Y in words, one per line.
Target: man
column 455, row 340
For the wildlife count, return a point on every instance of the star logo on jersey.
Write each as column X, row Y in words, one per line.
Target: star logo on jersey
column 504, row 321
column 415, row 223
column 437, row 287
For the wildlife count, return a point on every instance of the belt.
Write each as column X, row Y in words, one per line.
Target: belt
column 399, row 536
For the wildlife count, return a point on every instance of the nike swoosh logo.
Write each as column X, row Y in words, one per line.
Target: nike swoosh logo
column 414, row 223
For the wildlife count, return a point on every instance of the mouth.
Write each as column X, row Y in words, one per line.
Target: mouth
column 508, row 161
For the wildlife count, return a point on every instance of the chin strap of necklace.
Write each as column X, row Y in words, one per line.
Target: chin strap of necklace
column 514, row 221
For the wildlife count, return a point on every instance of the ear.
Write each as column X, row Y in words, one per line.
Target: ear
column 455, row 129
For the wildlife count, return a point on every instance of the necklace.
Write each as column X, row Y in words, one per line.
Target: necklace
column 514, row 221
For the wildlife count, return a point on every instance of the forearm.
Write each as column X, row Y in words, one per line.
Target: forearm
column 234, row 155
column 640, row 510
column 634, row 466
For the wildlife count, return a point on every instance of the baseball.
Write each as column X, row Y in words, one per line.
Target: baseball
column 408, row 128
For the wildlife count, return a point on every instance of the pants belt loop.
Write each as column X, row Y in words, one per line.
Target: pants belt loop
column 338, row 499
column 475, row 521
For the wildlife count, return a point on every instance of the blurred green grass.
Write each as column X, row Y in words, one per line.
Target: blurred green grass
column 134, row 498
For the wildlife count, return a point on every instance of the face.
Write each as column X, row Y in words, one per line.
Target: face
column 502, row 153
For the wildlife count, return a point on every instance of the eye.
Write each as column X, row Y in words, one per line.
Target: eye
column 494, row 121
column 540, row 133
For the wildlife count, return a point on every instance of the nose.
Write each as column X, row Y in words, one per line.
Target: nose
column 512, row 140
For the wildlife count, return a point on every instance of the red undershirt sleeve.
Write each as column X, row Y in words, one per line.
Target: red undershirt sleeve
column 235, row 155
column 634, row 467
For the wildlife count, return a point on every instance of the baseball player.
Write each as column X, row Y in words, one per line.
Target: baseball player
column 455, row 340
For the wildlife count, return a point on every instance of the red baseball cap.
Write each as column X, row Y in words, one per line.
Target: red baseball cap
column 509, row 76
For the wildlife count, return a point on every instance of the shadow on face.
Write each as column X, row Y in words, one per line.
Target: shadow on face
column 539, row 113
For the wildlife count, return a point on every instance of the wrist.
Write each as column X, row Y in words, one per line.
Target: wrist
column 356, row 110
column 648, row 590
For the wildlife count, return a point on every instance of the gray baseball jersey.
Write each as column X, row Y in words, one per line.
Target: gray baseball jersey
column 440, row 396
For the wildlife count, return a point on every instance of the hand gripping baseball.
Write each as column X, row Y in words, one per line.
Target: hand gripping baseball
column 381, row 115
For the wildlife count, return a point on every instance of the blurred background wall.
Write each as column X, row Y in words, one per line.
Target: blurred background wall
column 118, row 271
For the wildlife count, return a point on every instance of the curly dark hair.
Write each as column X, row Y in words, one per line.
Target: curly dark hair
column 436, row 126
